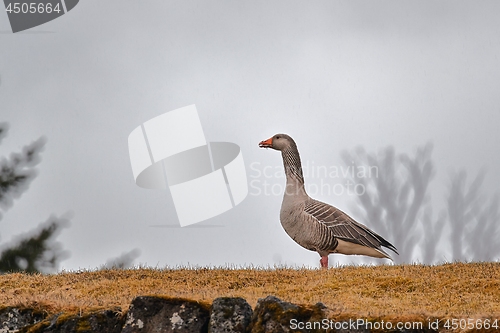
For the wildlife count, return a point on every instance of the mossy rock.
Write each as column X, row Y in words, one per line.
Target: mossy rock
column 148, row 314
column 107, row 321
column 230, row 315
column 274, row 315
column 12, row 318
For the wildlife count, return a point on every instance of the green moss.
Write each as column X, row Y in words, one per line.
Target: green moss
column 90, row 322
column 179, row 300
column 83, row 325
column 63, row 317
column 272, row 310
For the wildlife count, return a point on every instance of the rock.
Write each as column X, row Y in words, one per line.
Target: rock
column 13, row 319
column 229, row 315
column 149, row 314
column 107, row 321
column 273, row 315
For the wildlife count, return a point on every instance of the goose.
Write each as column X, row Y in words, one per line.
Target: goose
column 315, row 225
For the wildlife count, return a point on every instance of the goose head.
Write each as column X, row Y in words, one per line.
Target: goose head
column 277, row 142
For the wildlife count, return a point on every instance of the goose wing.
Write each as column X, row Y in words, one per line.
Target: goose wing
column 344, row 227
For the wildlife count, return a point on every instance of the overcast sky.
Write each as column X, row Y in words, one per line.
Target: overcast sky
column 332, row 74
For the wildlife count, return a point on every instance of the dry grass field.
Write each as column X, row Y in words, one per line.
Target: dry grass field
column 404, row 292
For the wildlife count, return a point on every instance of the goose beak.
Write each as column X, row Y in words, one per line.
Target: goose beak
column 266, row 144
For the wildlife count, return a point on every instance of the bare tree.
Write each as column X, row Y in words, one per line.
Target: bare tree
column 474, row 221
column 433, row 228
column 394, row 200
column 488, row 235
column 397, row 205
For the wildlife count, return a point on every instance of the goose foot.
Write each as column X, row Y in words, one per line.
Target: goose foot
column 324, row 262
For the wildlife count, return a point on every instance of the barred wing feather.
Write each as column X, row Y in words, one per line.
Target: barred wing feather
column 344, row 227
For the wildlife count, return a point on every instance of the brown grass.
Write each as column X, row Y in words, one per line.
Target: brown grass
column 406, row 292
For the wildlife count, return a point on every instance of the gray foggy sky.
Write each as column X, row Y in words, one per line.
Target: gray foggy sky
column 332, row 74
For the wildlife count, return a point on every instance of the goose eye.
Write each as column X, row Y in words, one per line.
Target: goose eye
column 277, row 137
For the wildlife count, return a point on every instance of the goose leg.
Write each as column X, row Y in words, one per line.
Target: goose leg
column 324, row 262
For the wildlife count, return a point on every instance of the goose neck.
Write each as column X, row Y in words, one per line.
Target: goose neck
column 293, row 170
